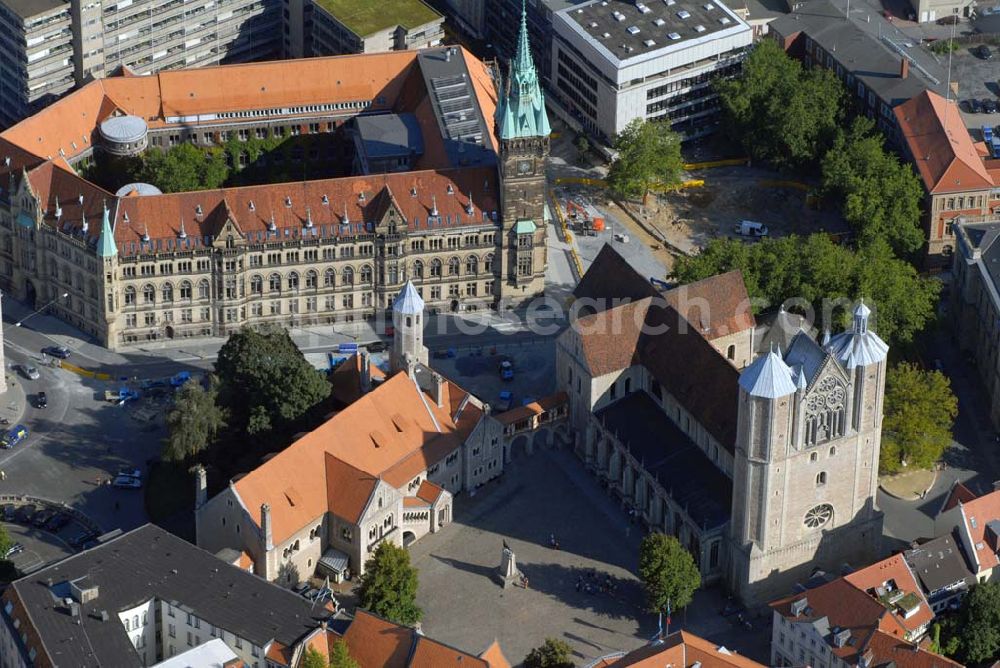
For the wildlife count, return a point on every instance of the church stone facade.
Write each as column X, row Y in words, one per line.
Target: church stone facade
column 763, row 471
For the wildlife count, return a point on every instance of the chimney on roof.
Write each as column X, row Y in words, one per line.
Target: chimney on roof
column 265, row 526
column 437, row 389
column 904, row 68
column 366, row 371
column 200, row 486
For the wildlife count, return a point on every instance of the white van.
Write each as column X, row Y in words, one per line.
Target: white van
column 750, row 228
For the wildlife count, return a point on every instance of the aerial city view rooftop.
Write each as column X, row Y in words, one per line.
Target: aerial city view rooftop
column 548, row 333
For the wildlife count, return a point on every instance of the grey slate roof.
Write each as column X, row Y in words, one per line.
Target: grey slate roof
column 152, row 563
column 859, row 346
column 387, row 135
column 670, row 456
column 939, row 563
column 861, row 52
column 768, row 377
column 408, row 301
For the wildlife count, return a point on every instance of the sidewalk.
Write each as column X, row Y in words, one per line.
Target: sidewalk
column 12, row 402
column 910, row 485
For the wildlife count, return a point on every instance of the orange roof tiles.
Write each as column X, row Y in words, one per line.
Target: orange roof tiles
column 494, row 656
column 291, row 205
column 682, row 650
column 393, row 432
column 378, row 643
column 346, row 379
column 716, row 306
column 59, row 190
column 534, row 408
column 894, row 569
column 429, row 492
column 348, row 490
column 940, row 145
column 889, row 650
column 609, row 339
column 976, row 516
column 959, row 494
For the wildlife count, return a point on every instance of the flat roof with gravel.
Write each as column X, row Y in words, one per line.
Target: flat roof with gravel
column 365, row 17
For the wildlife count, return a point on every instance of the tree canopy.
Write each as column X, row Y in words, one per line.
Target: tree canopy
column 313, row 658
column 266, row 381
column 185, row 167
column 974, row 633
column 649, row 154
column 878, row 195
column 553, row 653
column 920, row 410
column 340, row 656
column 668, row 572
column 389, row 585
column 193, row 422
column 815, row 269
column 775, row 91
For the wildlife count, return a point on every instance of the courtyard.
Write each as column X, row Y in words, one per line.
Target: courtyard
column 550, row 493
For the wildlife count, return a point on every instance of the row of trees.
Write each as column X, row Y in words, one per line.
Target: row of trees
column 973, row 635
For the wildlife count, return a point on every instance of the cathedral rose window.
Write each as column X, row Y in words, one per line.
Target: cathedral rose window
column 819, row 516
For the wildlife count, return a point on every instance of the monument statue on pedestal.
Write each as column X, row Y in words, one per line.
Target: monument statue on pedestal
column 509, row 575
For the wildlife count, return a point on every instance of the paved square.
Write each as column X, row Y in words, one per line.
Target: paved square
column 465, row 606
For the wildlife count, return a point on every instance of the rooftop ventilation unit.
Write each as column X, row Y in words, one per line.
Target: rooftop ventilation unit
column 725, row 20
column 658, row 21
column 708, row 6
column 618, row 15
column 670, row 3
column 674, row 36
column 606, row 35
column 593, row 24
column 684, row 14
column 632, row 30
column 642, row 8
column 649, row 43
column 799, row 606
column 699, row 28
column 841, row 637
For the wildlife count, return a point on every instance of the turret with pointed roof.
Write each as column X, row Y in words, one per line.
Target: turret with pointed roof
column 106, row 246
column 521, row 112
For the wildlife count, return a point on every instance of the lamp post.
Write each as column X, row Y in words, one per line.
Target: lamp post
column 39, row 310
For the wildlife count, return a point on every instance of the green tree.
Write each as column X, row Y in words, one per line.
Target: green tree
column 582, row 144
column 920, row 410
column 553, row 653
column 265, row 381
column 814, row 268
column 667, row 571
column 978, row 626
column 313, row 658
column 776, row 92
column 185, row 167
column 193, row 422
column 340, row 657
column 649, row 154
column 5, row 540
column 389, row 585
column 879, row 196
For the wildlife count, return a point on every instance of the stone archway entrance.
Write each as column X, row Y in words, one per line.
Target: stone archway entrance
column 517, row 447
column 30, row 295
column 542, row 439
column 169, row 331
column 408, row 538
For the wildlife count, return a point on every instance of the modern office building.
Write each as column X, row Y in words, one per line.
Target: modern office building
column 49, row 46
column 613, row 61
column 360, row 26
column 36, row 56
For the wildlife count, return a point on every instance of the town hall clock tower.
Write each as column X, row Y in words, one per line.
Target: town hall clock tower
column 523, row 131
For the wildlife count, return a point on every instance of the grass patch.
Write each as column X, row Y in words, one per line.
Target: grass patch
column 364, row 17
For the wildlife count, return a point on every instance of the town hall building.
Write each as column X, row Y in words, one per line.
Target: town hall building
column 764, row 470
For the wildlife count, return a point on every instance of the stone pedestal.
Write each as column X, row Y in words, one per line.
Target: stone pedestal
column 508, row 573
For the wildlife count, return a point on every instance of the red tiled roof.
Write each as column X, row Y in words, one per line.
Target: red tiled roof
column 896, row 570
column 494, row 656
column 429, row 492
column 891, row 650
column 534, row 408
column 377, row 643
column 716, row 306
column 976, row 515
column 290, row 205
column 346, row 379
column 348, row 490
column 682, row 650
column 959, row 494
column 940, row 145
column 388, row 433
column 57, row 186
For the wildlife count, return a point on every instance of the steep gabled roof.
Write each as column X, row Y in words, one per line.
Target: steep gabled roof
column 940, row 145
column 610, row 277
column 378, row 643
column 716, row 306
column 977, row 516
column 896, row 571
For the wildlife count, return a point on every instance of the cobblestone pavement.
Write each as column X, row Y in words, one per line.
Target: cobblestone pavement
column 540, row 495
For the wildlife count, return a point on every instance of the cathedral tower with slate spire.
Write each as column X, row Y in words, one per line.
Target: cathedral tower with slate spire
column 805, row 472
column 522, row 128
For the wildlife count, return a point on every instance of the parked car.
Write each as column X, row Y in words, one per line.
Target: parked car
column 506, row 370
column 8, row 510
column 989, row 106
column 983, row 52
column 131, row 473
column 57, row 522
column 127, row 482
column 975, row 106
column 62, row 352
column 16, row 548
column 82, row 538
column 25, row 513
column 750, row 228
column 376, row 347
column 41, row 400
column 29, row 372
column 14, row 436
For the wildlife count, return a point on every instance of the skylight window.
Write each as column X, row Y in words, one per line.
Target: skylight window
column 674, row 36
column 642, row 8
column 658, row 21
column 632, row 30
column 618, row 16
column 699, row 28
column 708, row 6
column 649, row 43
column 724, row 20
column 684, row 14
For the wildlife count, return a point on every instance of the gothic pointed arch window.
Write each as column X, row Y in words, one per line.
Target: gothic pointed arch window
column 453, row 266
column 347, row 277
column 329, row 278
column 312, row 279
column 366, row 274
column 488, row 263
column 167, row 292
column 185, row 289
column 472, row 265
column 148, row 294
column 256, row 285
column 203, row 289
column 418, row 269
column 129, row 295
column 826, row 410
column 436, row 268
column 293, row 281
column 274, row 283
